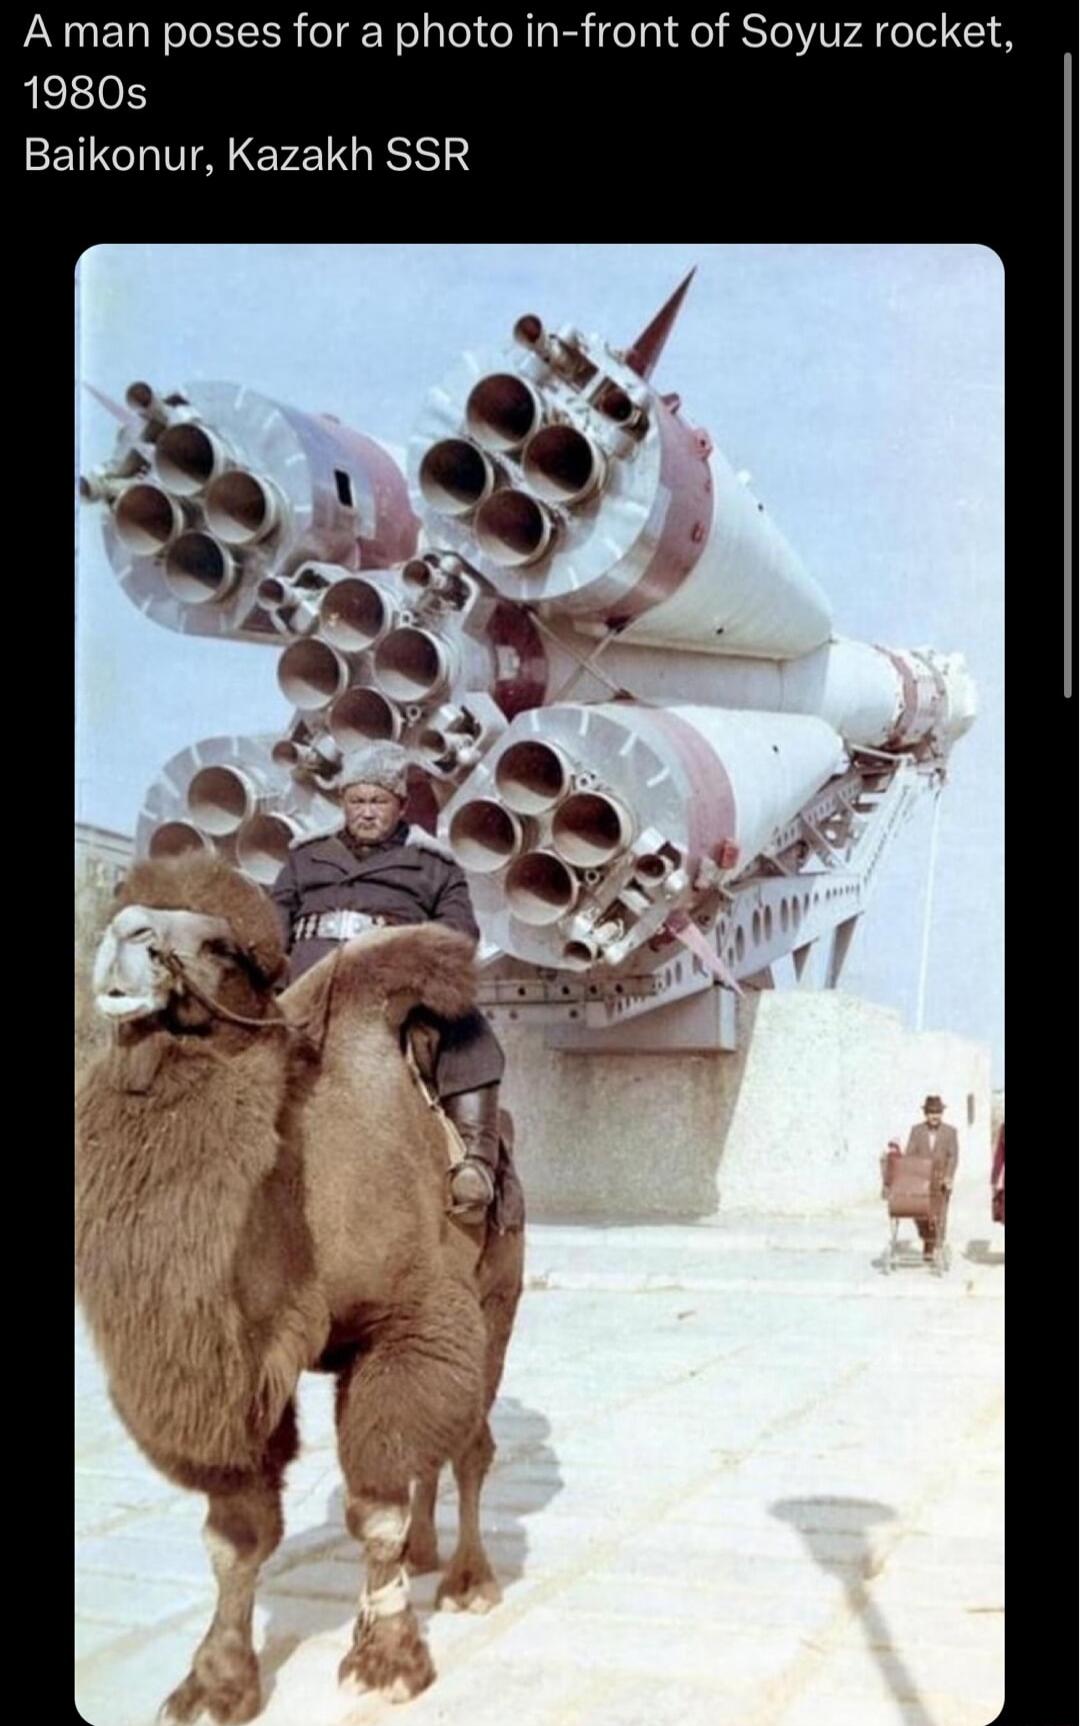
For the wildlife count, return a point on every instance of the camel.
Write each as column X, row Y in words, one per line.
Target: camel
column 261, row 1191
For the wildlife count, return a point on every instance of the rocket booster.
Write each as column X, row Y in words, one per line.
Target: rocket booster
column 875, row 697
column 236, row 796
column 571, row 485
column 217, row 497
column 585, row 828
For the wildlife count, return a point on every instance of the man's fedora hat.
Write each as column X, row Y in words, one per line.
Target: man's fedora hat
column 933, row 1106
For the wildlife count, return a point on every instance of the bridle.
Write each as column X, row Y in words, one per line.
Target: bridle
column 176, row 968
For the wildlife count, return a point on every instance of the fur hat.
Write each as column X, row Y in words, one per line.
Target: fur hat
column 381, row 764
column 933, row 1106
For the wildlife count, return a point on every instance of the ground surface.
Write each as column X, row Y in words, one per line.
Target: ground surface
column 742, row 1478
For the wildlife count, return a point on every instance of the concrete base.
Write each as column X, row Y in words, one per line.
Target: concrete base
column 794, row 1120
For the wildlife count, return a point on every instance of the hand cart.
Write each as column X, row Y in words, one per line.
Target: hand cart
column 912, row 1187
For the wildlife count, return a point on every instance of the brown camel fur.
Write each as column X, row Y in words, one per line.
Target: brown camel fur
column 254, row 1200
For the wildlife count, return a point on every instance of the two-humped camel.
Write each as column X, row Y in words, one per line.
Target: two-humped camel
column 252, row 1202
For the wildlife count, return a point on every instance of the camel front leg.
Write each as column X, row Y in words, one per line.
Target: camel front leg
column 388, row 1652
column 469, row 1584
column 241, row 1531
column 409, row 1401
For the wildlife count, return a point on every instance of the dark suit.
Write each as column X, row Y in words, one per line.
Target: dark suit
column 945, row 1151
column 408, row 878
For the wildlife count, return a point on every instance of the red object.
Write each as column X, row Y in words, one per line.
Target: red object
column 997, row 1178
column 642, row 355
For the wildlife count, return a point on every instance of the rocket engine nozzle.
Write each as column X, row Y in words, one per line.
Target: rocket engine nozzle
column 221, row 799
column 294, row 601
column 531, row 777
column 590, row 829
column 529, row 332
column 241, row 508
column 363, row 716
column 175, row 838
column 562, row 465
column 304, row 759
column 455, row 476
column 262, row 845
column 187, row 457
column 485, row 836
column 199, row 570
column 540, row 888
column 147, row 519
column 356, row 614
column 412, row 665
column 144, row 400
column 312, row 674
column 502, row 411
column 513, row 529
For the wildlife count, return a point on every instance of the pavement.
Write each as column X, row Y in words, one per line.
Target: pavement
column 742, row 1477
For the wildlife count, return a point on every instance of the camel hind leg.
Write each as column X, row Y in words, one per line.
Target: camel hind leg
column 469, row 1584
column 406, row 1404
column 422, row 1545
column 243, row 1527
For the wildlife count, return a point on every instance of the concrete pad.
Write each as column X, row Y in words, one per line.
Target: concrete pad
column 129, row 1601
column 671, row 1647
column 709, row 1508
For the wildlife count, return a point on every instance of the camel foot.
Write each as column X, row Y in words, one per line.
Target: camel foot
column 468, row 1586
column 222, row 1687
column 390, row 1656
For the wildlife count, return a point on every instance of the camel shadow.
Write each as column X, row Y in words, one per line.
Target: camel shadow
column 979, row 1253
column 819, row 1521
column 312, row 1585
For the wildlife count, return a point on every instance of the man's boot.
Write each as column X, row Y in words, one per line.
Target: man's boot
column 475, row 1114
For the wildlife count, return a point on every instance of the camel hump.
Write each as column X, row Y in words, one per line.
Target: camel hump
column 415, row 964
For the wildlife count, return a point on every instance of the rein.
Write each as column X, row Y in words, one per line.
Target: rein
column 176, row 967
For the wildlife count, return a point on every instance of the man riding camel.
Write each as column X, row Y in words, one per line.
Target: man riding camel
column 376, row 868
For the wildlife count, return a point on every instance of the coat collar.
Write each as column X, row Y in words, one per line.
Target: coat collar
column 414, row 838
column 404, row 850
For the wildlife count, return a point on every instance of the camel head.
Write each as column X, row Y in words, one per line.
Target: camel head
column 187, row 928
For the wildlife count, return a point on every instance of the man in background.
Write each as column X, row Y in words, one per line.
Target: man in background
column 932, row 1138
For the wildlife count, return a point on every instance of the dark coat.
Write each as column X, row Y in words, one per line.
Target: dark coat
column 409, row 878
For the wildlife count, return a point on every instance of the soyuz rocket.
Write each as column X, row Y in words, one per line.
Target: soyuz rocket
column 631, row 718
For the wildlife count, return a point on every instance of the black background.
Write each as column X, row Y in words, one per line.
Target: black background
column 605, row 145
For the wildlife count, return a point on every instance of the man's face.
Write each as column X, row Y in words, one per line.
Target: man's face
column 933, row 1118
column 371, row 813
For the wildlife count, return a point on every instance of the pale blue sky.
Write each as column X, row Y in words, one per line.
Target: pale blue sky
column 862, row 386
